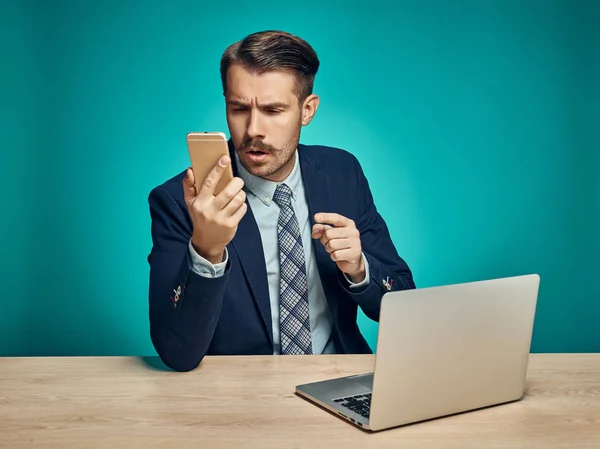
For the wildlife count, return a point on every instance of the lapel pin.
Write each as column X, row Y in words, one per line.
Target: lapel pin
column 387, row 283
column 177, row 293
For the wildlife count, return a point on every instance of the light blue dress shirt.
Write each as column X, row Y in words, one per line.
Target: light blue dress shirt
column 266, row 212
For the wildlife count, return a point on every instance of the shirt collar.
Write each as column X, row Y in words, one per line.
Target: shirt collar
column 264, row 189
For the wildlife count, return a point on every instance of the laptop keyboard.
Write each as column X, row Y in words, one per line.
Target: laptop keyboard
column 360, row 403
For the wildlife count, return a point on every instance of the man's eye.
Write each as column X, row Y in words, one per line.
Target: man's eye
column 273, row 111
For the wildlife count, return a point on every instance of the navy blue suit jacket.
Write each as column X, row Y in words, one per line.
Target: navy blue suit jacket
column 232, row 314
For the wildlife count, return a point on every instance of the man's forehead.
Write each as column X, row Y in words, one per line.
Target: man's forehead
column 243, row 85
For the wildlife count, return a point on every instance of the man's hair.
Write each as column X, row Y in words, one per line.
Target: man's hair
column 268, row 51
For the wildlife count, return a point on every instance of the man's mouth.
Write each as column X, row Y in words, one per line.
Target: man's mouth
column 256, row 151
column 256, row 154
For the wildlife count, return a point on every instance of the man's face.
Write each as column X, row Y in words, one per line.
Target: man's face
column 264, row 118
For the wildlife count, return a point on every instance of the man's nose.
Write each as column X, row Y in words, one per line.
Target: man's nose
column 255, row 127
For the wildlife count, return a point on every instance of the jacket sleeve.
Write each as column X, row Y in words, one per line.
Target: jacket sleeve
column 387, row 270
column 184, row 306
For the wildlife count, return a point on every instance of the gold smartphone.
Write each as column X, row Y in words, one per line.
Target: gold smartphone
column 205, row 150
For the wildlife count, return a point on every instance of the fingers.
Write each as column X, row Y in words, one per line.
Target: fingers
column 338, row 233
column 238, row 214
column 337, row 241
column 327, row 233
column 235, row 203
column 346, row 255
column 233, row 188
column 189, row 190
column 318, row 230
column 339, row 237
column 208, row 187
column 337, row 244
column 334, row 239
column 336, row 220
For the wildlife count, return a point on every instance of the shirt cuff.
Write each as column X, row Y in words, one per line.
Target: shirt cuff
column 205, row 268
column 367, row 278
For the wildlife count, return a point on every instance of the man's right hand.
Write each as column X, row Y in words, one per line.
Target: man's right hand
column 215, row 218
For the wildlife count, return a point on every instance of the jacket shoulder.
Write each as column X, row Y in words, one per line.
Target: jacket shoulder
column 327, row 155
column 172, row 186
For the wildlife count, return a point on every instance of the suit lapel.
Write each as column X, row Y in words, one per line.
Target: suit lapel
column 318, row 196
column 248, row 246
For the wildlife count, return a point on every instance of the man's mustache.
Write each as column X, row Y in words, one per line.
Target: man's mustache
column 257, row 144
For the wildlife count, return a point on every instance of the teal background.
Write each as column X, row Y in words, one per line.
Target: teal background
column 476, row 122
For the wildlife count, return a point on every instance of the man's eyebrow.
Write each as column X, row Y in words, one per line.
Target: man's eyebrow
column 274, row 105
column 236, row 103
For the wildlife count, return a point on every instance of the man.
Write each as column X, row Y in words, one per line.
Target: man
column 280, row 260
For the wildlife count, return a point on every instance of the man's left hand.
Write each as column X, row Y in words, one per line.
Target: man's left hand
column 341, row 240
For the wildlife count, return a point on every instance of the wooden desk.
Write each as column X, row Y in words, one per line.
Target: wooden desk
column 231, row 402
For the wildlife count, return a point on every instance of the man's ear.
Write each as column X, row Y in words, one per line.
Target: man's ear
column 309, row 108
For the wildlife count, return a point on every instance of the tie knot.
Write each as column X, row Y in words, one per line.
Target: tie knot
column 283, row 195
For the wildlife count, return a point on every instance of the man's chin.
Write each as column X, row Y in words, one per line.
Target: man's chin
column 255, row 168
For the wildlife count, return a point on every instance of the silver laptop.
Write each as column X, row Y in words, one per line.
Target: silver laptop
column 440, row 351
